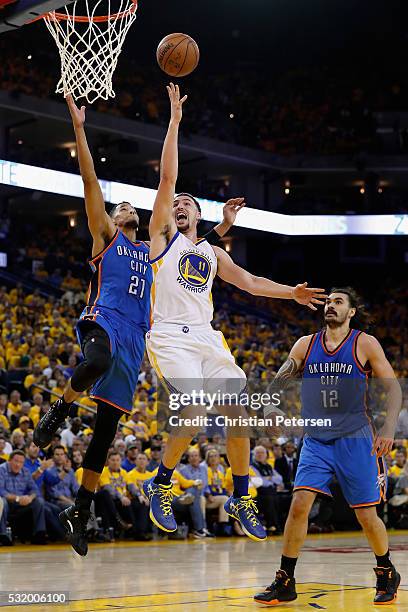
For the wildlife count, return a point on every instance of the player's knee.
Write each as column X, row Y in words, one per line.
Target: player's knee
column 367, row 517
column 300, row 506
column 99, row 364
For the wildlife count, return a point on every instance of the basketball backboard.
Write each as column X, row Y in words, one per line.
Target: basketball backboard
column 16, row 13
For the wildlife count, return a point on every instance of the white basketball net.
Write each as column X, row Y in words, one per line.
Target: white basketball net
column 89, row 48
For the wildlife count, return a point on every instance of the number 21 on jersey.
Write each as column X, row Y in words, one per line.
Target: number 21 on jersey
column 137, row 286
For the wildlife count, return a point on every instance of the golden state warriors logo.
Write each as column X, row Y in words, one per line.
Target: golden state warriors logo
column 194, row 269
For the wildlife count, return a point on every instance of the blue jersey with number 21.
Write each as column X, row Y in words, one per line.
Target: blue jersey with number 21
column 121, row 281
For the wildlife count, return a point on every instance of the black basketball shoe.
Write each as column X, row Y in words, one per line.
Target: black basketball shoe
column 282, row 589
column 388, row 580
column 75, row 520
column 52, row 420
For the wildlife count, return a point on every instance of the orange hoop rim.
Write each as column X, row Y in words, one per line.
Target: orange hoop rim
column 85, row 18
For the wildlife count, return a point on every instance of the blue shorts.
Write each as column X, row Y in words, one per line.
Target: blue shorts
column 127, row 342
column 361, row 475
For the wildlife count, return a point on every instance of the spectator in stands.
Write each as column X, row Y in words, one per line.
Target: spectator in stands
column 215, row 493
column 44, row 478
column 140, row 503
column 36, row 409
column 402, row 425
column 4, row 454
column 196, row 472
column 24, row 427
column 14, row 405
column 71, row 432
column 277, row 452
column 272, row 482
column 4, row 422
column 287, row 465
column 189, row 502
column 399, row 463
column 114, row 480
column 63, row 493
column 155, row 458
column 398, row 503
column 136, row 426
column 17, row 440
column 35, row 377
column 77, row 459
column 120, row 447
column 130, row 460
column 34, row 464
column 20, row 495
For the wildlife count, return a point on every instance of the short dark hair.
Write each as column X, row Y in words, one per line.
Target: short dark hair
column 16, row 452
column 362, row 318
column 115, row 206
column 58, row 447
column 112, row 453
column 188, row 195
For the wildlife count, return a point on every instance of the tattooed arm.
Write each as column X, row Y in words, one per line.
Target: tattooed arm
column 288, row 372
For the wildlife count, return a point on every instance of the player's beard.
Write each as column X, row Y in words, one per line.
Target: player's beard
column 335, row 323
column 131, row 224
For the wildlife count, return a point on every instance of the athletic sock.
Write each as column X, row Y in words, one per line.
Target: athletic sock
column 288, row 565
column 384, row 560
column 164, row 475
column 84, row 498
column 241, row 484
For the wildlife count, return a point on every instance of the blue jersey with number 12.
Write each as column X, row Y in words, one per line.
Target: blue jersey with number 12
column 121, row 282
column 334, row 386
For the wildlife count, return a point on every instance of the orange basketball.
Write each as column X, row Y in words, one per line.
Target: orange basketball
column 178, row 55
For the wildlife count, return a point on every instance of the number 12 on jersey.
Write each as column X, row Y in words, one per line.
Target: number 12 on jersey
column 137, row 286
column 330, row 398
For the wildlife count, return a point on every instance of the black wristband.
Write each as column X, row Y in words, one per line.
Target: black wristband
column 212, row 236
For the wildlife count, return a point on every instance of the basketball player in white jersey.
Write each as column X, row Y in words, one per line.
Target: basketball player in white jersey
column 182, row 346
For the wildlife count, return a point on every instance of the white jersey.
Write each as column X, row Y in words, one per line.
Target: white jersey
column 182, row 283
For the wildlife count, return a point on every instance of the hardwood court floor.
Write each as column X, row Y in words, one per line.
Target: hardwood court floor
column 335, row 574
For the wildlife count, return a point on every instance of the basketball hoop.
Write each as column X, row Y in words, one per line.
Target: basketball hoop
column 89, row 45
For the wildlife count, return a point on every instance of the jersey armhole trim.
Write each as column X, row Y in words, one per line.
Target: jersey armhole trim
column 108, row 246
column 356, row 359
column 176, row 235
column 309, row 348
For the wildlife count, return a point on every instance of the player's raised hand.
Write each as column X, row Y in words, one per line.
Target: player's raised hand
column 77, row 114
column 176, row 102
column 309, row 296
column 232, row 208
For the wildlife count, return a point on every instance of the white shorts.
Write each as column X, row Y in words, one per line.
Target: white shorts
column 187, row 357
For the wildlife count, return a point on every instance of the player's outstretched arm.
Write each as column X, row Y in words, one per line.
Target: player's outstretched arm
column 372, row 351
column 256, row 285
column 161, row 221
column 100, row 224
column 230, row 211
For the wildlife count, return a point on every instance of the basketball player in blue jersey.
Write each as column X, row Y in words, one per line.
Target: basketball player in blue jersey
column 182, row 346
column 111, row 329
column 335, row 364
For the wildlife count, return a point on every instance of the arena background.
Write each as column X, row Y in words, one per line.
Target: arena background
column 300, row 107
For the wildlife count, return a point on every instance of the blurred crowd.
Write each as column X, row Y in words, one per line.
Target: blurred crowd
column 303, row 111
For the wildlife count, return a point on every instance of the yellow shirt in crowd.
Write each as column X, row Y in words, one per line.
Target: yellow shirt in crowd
column 117, row 480
column 137, row 478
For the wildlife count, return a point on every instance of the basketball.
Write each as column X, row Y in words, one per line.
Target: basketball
column 178, row 55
